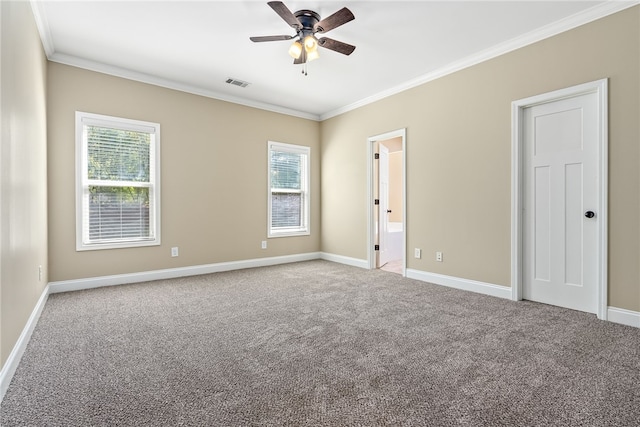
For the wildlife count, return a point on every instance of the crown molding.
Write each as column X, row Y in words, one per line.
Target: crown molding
column 43, row 27
column 52, row 55
column 171, row 84
column 597, row 12
column 589, row 15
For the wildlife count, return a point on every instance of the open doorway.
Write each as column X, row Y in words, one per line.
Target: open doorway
column 387, row 213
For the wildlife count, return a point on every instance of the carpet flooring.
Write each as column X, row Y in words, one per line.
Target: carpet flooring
column 319, row 344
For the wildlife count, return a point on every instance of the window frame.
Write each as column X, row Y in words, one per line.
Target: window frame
column 83, row 242
column 305, row 228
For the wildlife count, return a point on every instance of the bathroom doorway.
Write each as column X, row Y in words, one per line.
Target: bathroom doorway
column 387, row 179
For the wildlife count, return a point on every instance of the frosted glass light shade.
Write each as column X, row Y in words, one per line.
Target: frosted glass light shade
column 310, row 44
column 313, row 55
column 295, row 50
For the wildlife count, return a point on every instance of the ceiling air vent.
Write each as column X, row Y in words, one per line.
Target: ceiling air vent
column 237, row 82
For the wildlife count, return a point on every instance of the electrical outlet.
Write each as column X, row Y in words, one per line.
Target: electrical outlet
column 264, row 244
column 417, row 253
column 39, row 273
column 174, row 251
column 439, row 256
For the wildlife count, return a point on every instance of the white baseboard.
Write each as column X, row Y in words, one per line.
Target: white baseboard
column 172, row 273
column 624, row 317
column 614, row 314
column 340, row 259
column 10, row 366
column 463, row 284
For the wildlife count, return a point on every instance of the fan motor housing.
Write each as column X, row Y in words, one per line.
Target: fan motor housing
column 308, row 18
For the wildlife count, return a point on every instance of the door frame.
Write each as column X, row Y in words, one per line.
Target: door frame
column 600, row 88
column 371, row 253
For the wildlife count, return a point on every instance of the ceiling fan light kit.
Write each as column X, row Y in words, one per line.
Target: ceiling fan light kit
column 307, row 23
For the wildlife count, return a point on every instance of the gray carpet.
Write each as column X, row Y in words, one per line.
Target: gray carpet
column 318, row 343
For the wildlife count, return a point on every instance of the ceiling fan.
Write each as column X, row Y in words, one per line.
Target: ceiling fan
column 307, row 23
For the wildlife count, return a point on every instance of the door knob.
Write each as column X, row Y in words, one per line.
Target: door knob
column 589, row 214
column 388, row 210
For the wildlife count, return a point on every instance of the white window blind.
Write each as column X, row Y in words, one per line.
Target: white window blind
column 288, row 190
column 117, row 179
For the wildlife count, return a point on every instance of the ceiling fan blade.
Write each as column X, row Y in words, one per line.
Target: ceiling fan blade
column 270, row 38
column 285, row 14
column 342, row 16
column 343, row 48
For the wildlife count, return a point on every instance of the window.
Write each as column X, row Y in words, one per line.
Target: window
column 117, row 182
column 288, row 190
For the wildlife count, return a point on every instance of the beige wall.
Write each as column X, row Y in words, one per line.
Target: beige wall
column 459, row 156
column 214, row 175
column 23, row 199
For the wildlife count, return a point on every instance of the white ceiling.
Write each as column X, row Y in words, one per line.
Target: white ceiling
column 196, row 45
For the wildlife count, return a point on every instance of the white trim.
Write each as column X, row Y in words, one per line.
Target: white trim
column 340, row 259
column 603, row 205
column 10, row 366
column 172, row 273
column 460, row 283
column 600, row 87
column 175, row 85
column 597, row 12
column 371, row 254
column 43, row 27
column 592, row 14
column 623, row 317
column 615, row 315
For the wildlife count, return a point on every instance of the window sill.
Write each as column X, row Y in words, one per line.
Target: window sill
column 116, row 245
column 278, row 234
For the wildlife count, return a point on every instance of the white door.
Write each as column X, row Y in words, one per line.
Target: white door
column 383, row 213
column 561, row 195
